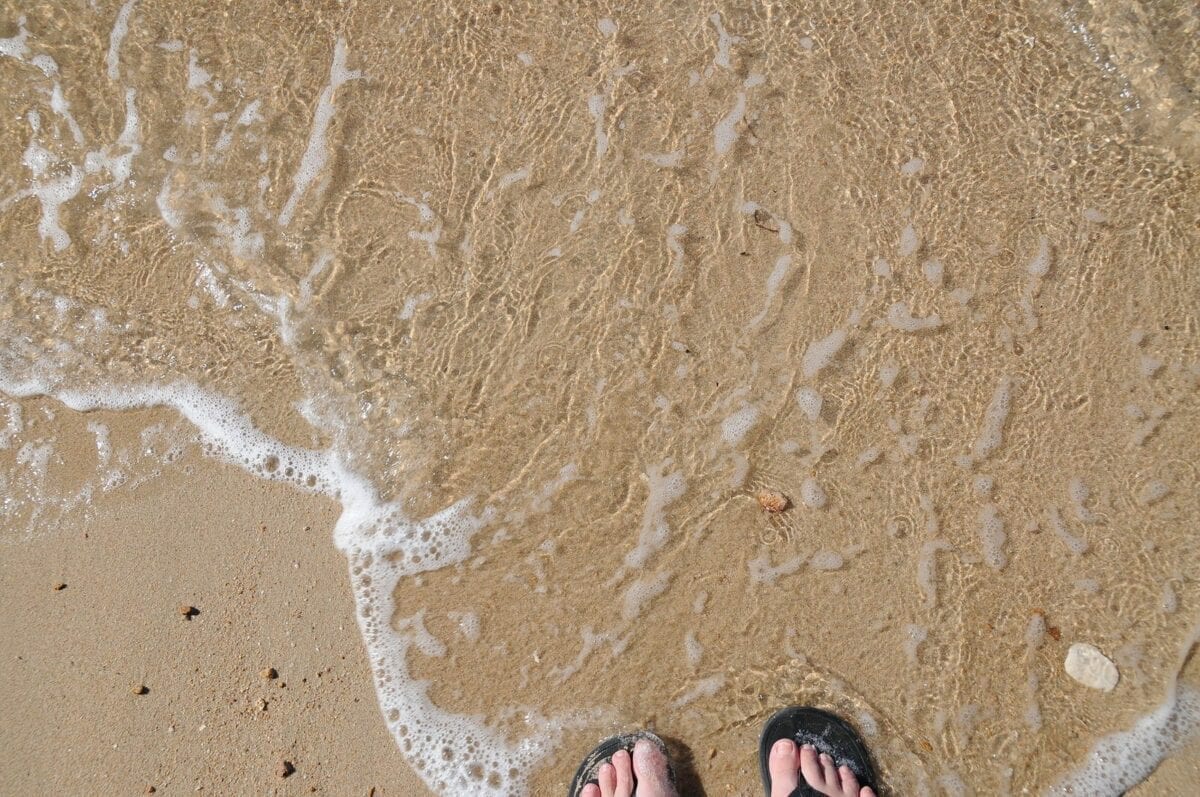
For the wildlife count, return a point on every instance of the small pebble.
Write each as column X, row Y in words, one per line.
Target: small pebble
column 284, row 768
column 772, row 501
column 269, row 673
column 59, row 586
column 187, row 612
column 140, row 689
column 150, row 790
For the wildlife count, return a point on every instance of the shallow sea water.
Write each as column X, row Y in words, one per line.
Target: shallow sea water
column 547, row 295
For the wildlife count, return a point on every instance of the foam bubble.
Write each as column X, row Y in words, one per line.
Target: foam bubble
column 1035, row 632
column 664, row 489
column 735, row 427
column 820, row 353
column 14, row 46
column 725, row 41
column 641, row 592
column 810, row 402
column 197, row 76
column 115, row 37
column 869, row 456
column 888, row 371
column 1169, row 600
column 666, row 160
column 812, row 493
column 991, row 432
column 1076, row 545
column 1033, row 712
column 692, row 648
column 992, row 537
column 762, row 572
column 705, row 687
column 1079, row 493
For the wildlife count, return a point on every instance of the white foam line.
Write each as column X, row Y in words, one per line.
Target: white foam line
column 119, row 29
column 1123, row 759
column 381, row 545
column 315, row 154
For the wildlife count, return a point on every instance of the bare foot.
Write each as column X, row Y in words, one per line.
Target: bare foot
column 646, row 769
column 788, row 765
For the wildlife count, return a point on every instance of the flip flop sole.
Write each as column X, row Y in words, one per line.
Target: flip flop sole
column 828, row 733
column 604, row 751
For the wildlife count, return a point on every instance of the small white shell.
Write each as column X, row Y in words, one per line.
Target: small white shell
column 1087, row 665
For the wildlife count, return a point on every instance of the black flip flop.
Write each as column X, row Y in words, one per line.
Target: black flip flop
column 604, row 751
column 827, row 732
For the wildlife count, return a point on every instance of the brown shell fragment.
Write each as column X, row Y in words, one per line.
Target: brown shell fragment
column 772, row 500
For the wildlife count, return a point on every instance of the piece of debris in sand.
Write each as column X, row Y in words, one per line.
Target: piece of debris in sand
column 140, row 689
column 772, row 500
column 59, row 586
column 187, row 612
column 1087, row 665
column 284, row 768
column 269, row 673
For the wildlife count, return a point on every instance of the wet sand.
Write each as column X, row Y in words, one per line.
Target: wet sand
column 517, row 311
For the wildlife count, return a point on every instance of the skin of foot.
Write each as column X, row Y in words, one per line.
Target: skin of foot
column 646, row 769
column 788, row 764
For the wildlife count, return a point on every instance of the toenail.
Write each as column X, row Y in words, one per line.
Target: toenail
column 782, row 746
column 807, row 747
column 825, row 757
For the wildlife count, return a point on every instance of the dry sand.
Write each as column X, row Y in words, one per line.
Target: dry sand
column 256, row 561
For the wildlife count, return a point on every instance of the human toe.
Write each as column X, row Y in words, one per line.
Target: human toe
column 784, row 768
